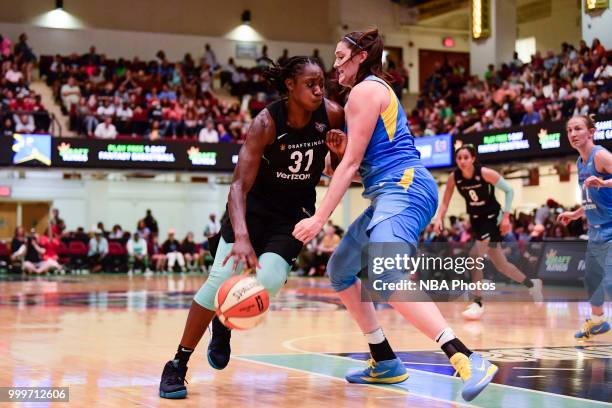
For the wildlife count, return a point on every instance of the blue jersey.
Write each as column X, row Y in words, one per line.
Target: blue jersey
column 392, row 173
column 597, row 202
column 391, row 153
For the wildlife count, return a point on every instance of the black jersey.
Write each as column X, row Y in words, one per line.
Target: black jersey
column 479, row 195
column 292, row 165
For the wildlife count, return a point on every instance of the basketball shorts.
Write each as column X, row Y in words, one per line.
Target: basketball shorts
column 486, row 228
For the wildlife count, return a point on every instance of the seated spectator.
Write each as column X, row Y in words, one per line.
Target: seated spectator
column 116, row 232
column 581, row 108
column 143, row 230
column 51, row 244
column 137, row 254
column 98, row 251
column 208, row 134
column 70, row 93
column 19, row 239
column 8, row 127
column 172, row 249
column 530, row 117
column 106, row 129
column 32, row 253
column 324, row 249
column 191, row 253
column 25, row 124
column 106, row 109
column 156, row 253
column 224, row 135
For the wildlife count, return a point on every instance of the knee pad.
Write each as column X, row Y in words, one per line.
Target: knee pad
column 205, row 297
column 341, row 274
column 273, row 272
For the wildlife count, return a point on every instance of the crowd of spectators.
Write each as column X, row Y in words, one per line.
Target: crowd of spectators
column 21, row 109
column 141, row 250
column 116, row 250
column 575, row 81
column 158, row 99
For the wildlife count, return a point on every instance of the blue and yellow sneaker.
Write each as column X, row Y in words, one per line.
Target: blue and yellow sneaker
column 475, row 371
column 590, row 328
column 380, row 372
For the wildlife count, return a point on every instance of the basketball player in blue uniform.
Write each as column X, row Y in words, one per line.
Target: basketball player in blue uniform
column 595, row 178
column 279, row 167
column 404, row 198
column 476, row 184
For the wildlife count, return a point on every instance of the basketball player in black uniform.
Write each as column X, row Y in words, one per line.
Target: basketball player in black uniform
column 477, row 186
column 279, row 166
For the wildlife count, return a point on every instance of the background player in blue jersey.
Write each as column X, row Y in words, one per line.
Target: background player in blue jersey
column 595, row 178
column 476, row 184
column 404, row 197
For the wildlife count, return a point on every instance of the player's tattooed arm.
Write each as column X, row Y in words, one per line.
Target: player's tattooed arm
column 260, row 134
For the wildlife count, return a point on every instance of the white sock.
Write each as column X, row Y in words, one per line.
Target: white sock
column 445, row 336
column 596, row 319
column 376, row 337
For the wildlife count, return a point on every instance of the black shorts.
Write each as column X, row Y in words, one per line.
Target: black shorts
column 268, row 233
column 485, row 227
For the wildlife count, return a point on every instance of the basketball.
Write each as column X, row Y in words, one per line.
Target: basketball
column 241, row 302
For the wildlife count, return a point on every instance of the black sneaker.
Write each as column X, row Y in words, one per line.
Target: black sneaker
column 172, row 384
column 219, row 349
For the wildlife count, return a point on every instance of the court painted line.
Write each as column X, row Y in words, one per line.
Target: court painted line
column 336, row 375
column 548, row 368
column 426, row 384
column 429, row 364
column 530, row 376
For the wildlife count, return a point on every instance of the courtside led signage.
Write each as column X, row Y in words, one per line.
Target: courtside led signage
column 136, row 153
column 198, row 158
column 32, row 149
column 69, row 154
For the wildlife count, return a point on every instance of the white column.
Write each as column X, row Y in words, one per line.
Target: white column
column 499, row 47
column 597, row 25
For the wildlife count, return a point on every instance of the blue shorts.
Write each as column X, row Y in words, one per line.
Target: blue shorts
column 397, row 215
column 598, row 273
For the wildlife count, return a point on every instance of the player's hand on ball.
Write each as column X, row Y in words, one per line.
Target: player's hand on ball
column 336, row 141
column 242, row 252
column 307, row 229
column 594, row 182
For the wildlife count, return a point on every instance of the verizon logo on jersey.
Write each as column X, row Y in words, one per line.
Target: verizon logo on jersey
column 287, row 176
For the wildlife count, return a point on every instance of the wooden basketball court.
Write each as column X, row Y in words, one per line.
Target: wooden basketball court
column 107, row 338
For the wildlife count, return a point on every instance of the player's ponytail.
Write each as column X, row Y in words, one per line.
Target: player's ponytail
column 370, row 41
column 276, row 74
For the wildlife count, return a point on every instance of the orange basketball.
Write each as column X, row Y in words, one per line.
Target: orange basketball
column 241, row 302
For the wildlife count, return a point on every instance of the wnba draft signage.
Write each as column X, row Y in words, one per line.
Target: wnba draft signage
column 57, row 152
column 530, row 142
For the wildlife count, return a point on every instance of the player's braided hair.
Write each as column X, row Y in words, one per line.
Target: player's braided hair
column 276, row 74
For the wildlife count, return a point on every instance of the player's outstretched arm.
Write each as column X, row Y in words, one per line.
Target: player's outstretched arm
column 362, row 112
column 448, row 193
